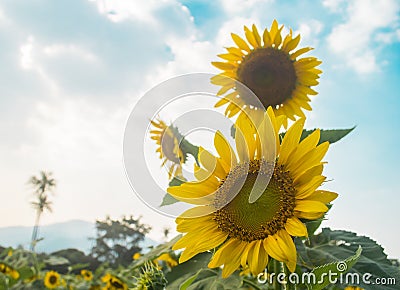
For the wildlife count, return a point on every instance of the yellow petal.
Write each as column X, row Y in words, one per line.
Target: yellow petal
column 291, row 140
column 211, row 163
column 230, row 57
column 295, row 227
column 267, row 38
column 235, row 50
column 287, row 245
column 309, row 215
column 240, row 42
column 203, row 244
column 310, row 159
column 257, row 36
column 259, row 258
column 225, row 151
column 233, row 263
column 269, row 140
column 304, row 178
column 323, row 196
column 308, row 188
column 250, row 37
column 299, row 52
column 223, row 65
column 292, row 44
column 310, row 206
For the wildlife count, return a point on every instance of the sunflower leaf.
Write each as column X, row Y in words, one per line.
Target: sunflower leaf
column 156, row 252
column 184, row 274
column 323, row 273
column 168, row 200
column 331, row 246
column 210, row 279
column 330, row 135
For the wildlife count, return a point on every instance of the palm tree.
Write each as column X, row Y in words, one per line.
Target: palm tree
column 42, row 185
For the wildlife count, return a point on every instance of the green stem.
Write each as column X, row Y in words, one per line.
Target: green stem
column 250, row 283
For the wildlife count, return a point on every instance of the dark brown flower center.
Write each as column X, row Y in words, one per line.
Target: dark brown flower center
column 270, row 74
column 53, row 280
column 255, row 221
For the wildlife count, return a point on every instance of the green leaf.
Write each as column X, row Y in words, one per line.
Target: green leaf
column 26, row 272
column 233, row 131
column 189, row 281
column 156, row 252
column 168, row 200
column 330, row 135
column 176, row 181
column 332, row 246
column 212, row 280
column 322, row 279
column 183, row 272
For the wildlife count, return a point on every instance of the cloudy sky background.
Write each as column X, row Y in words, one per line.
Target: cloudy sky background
column 71, row 72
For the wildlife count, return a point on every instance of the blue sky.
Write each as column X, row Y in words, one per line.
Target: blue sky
column 72, row 71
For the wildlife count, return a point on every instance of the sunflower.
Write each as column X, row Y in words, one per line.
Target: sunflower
column 136, row 256
column 52, row 280
column 168, row 139
column 269, row 65
column 245, row 233
column 166, row 257
column 7, row 270
column 87, row 275
column 113, row 283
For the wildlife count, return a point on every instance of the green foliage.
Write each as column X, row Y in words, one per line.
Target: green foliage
column 336, row 268
column 333, row 246
column 118, row 240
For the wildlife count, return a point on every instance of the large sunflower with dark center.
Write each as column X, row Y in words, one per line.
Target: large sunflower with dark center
column 248, row 232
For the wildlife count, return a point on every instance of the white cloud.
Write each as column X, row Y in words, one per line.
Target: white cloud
column 240, row 7
column 353, row 40
column 310, row 31
column 334, row 5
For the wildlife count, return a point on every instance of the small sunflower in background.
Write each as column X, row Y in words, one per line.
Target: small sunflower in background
column 136, row 256
column 87, row 275
column 113, row 283
column 52, row 280
column 168, row 139
column 166, row 257
column 247, row 234
column 8, row 270
column 269, row 65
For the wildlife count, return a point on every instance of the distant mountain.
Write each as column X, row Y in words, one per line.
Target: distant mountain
column 72, row 234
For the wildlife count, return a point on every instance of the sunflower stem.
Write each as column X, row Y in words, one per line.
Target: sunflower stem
column 252, row 284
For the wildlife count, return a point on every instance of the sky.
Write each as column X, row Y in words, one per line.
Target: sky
column 72, row 71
